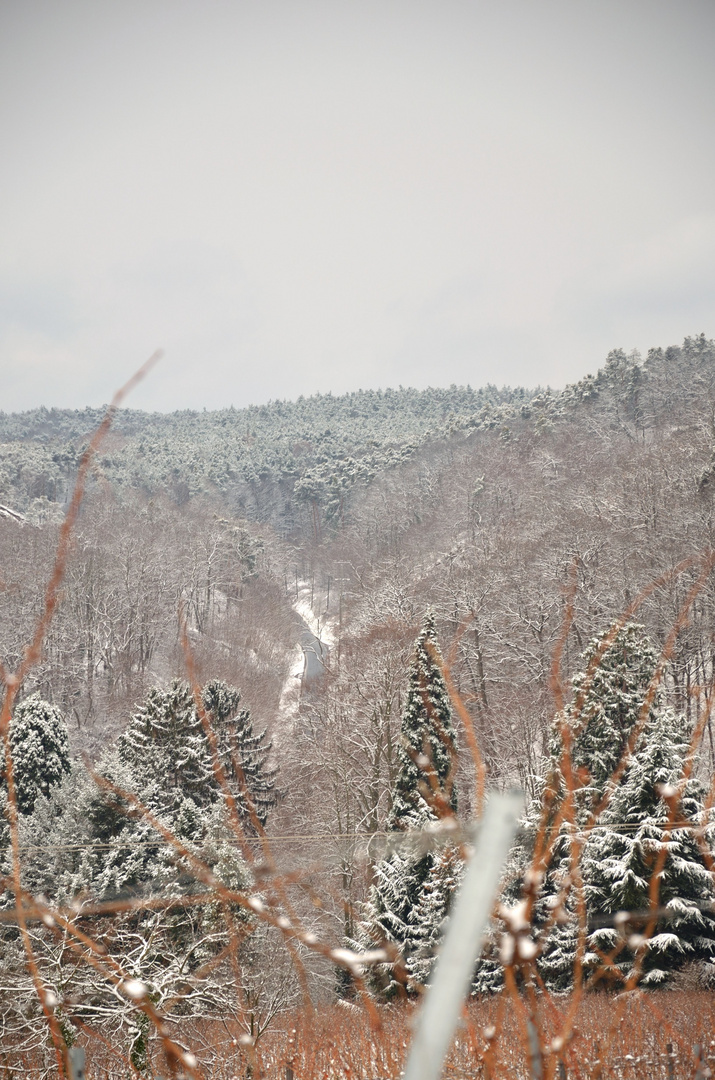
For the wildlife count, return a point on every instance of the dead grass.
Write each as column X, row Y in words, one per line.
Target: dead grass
column 637, row 1035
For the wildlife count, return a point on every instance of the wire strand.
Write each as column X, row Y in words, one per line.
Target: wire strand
column 300, row 838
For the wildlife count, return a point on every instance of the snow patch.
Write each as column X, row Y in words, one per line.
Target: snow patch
column 323, row 626
column 289, row 702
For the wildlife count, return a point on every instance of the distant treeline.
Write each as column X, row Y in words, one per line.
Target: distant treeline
column 256, row 459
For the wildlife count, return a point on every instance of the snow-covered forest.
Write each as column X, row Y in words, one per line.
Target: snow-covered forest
column 292, row 641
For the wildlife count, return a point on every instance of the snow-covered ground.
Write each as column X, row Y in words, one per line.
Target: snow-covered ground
column 323, row 626
column 290, row 694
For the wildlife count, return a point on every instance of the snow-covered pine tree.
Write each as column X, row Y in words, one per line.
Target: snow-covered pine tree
column 428, row 746
column 399, row 907
column 240, row 746
column 606, row 706
column 164, row 758
column 429, row 917
column 165, row 742
column 40, row 751
column 166, row 948
column 92, row 846
column 609, row 695
column 39, row 745
column 624, row 852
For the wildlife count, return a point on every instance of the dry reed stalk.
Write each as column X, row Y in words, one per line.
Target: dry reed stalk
column 13, row 681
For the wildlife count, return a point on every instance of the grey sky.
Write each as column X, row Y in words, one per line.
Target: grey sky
column 293, row 197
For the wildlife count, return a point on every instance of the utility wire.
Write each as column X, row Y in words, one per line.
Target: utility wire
column 300, row 838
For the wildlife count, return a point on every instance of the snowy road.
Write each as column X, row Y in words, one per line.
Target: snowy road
column 315, row 653
column 316, row 638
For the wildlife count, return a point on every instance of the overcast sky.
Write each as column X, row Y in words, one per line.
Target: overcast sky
column 299, row 196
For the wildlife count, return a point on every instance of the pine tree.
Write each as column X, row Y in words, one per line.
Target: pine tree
column 243, row 753
column 401, row 903
column 164, row 758
column 609, row 696
column 624, row 852
column 40, row 751
column 166, row 948
column 427, row 750
column 429, row 917
column 607, row 705
column 166, row 742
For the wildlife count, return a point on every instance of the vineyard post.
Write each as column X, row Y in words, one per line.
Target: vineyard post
column 76, row 1059
column 473, row 903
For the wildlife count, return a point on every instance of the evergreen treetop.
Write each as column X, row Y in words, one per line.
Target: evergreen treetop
column 39, row 744
column 428, row 746
column 609, row 696
column 242, row 751
column 608, row 700
column 411, row 891
column 632, row 843
column 166, row 742
column 628, row 843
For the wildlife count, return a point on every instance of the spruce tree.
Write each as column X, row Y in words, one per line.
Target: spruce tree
column 625, row 850
column 609, row 694
column 429, row 917
column 39, row 744
column 166, row 948
column 401, row 902
column 243, row 752
column 165, row 742
column 164, row 758
column 607, row 704
column 427, row 751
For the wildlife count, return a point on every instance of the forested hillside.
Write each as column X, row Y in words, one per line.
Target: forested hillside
column 265, row 462
column 383, row 582
column 474, row 502
column 612, row 482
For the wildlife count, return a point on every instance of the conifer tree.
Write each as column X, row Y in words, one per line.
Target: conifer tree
column 607, row 704
column 626, row 850
column 404, row 895
column 164, row 758
column 39, row 745
column 609, row 696
column 429, row 916
column 243, row 752
column 427, row 749
column 165, row 742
